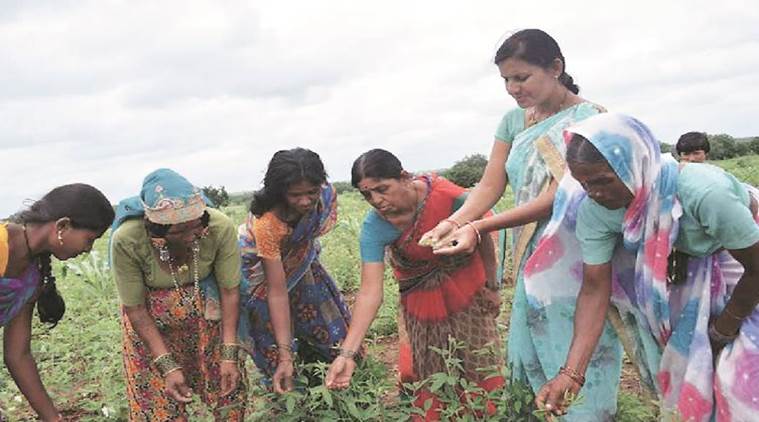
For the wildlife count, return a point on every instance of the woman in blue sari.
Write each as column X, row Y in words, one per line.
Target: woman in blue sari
column 292, row 300
column 529, row 144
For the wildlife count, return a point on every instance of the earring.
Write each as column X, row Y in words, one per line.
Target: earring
column 60, row 237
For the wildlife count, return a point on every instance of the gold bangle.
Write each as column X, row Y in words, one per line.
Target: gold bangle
column 454, row 222
column 228, row 351
column 165, row 364
column 477, row 232
column 573, row 375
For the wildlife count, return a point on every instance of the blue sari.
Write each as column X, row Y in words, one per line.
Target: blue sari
column 318, row 312
column 539, row 336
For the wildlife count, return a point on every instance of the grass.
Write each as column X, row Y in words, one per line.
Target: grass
column 80, row 360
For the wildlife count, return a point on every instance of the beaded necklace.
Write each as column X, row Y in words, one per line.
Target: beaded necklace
column 196, row 276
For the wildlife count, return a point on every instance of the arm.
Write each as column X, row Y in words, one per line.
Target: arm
column 22, row 367
column 484, row 195
column 590, row 316
column 368, row 301
column 230, row 313
column 279, row 310
column 746, row 294
column 464, row 240
column 144, row 325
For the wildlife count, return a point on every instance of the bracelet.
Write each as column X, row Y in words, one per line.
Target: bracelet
column 346, row 353
column 454, row 222
column 573, row 375
column 719, row 338
column 732, row 315
column 165, row 364
column 228, row 352
column 479, row 236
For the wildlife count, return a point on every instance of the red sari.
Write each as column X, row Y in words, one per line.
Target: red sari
column 443, row 296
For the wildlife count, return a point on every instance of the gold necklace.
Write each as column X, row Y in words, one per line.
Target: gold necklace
column 532, row 117
column 196, row 276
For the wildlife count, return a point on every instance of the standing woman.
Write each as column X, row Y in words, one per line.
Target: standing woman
column 293, row 303
column 528, row 152
column 676, row 250
column 177, row 269
column 441, row 296
column 64, row 223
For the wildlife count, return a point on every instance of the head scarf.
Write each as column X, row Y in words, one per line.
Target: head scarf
column 650, row 222
column 166, row 198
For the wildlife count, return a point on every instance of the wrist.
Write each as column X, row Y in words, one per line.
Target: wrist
column 347, row 353
column 573, row 374
column 228, row 352
column 165, row 364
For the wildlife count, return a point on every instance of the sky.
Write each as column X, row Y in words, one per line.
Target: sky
column 105, row 91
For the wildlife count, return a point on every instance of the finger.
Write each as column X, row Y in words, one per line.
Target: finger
column 226, row 384
column 185, row 392
column 540, row 398
column 288, row 383
column 276, row 383
column 555, row 400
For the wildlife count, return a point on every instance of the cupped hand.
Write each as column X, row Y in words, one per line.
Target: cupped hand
column 552, row 395
column 230, row 377
column 441, row 231
column 176, row 388
column 461, row 241
column 340, row 373
column 282, row 380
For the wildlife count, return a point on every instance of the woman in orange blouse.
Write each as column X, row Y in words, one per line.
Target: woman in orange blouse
column 293, row 300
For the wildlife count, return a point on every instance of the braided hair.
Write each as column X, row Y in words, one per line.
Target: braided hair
column 86, row 208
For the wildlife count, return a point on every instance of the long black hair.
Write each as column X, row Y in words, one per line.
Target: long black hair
column 86, row 208
column 376, row 163
column 537, row 48
column 286, row 168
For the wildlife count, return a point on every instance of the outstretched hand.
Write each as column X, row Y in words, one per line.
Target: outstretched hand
column 443, row 229
column 340, row 373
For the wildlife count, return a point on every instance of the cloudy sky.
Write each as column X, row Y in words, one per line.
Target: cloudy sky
column 105, row 91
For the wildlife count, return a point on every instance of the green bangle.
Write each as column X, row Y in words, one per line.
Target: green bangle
column 228, row 352
column 166, row 364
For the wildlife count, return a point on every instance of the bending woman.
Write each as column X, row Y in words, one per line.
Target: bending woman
column 64, row 223
column 441, row 296
column 293, row 302
column 528, row 152
column 177, row 269
column 676, row 250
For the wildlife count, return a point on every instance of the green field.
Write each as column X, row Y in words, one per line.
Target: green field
column 80, row 360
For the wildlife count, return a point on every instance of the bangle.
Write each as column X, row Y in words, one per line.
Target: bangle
column 477, row 232
column 228, row 352
column 165, row 364
column 732, row 315
column 719, row 338
column 284, row 346
column 454, row 222
column 347, row 353
column 573, row 375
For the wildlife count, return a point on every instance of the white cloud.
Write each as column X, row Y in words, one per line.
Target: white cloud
column 105, row 91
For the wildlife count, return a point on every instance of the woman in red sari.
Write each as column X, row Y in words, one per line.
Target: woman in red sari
column 442, row 297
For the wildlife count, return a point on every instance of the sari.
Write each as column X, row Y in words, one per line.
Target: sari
column 15, row 292
column 666, row 323
column 443, row 298
column 191, row 329
column 539, row 335
column 318, row 312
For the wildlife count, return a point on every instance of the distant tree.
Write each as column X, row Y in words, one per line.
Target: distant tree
column 754, row 145
column 342, row 187
column 722, row 146
column 218, row 196
column 665, row 147
column 468, row 171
